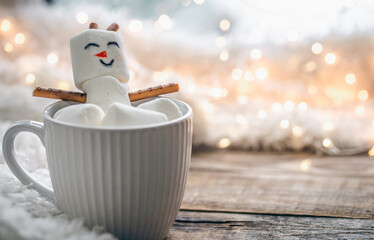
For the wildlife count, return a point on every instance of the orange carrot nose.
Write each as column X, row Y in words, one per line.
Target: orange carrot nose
column 101, row 54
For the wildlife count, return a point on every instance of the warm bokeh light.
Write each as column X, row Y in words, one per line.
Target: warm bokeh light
column 135, row 26
column 359, row 110
column 363, row 95
column 297, row 131
column 236, row 73
column 30, row 79
column 160, row 76
column 371, row 152
column 261, row 114
column 305, row 165
column 224, row 25
column 52, row 58
column 312, row 90
column 330, row 58
column 131, row 75
column 248, row 75
column 186, row 2
column 289, row 105
column 284, row 124
column 240, row 119
column 276, row 107
column 328, row 126
column 220, row 42
column 310, row 66
column 223, row 143
column 242, row 99
column 303, row 106
column 261, row 73
column 165, row 22
column 327, row 143
column 224, row 55
column 8, row 47
column 81, row 17
column 64, row 85
column 199, row 2
column 350, row 78
column 19, row 38
column 5, row 25
column 317, row 48
column 217, row 92
column 256, row 54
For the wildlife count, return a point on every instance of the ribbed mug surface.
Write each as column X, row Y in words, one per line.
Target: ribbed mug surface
column 129, row 180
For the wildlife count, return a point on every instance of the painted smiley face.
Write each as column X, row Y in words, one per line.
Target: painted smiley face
column 103, row 54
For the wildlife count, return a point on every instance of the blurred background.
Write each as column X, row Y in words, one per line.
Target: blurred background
column 269, row 75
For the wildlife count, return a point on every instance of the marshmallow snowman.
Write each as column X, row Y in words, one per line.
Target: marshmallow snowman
column 100, row 70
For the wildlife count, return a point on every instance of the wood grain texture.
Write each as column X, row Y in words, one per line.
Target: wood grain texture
column 205, row 225
column 275, row 184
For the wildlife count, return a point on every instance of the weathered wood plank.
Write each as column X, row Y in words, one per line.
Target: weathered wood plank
column 270, row 183
column 210, row 225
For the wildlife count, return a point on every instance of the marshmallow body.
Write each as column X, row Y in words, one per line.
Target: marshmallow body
column 123, row 115
column 163, row 105
column 106, row 90
column 81, row 114
column 97, row 53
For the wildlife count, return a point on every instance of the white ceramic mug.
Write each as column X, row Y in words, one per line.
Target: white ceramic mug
column 129, row 180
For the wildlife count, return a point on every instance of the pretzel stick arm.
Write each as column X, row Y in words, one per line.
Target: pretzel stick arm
column 153, row 91
column 81, row 96
column 59, row 94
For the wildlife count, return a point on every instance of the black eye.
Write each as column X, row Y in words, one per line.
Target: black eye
column 91, row 44
column 113, row 43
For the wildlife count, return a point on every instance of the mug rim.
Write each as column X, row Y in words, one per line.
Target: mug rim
column 46, row 116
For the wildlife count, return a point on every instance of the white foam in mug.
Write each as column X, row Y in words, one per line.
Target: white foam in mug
column 130, row 180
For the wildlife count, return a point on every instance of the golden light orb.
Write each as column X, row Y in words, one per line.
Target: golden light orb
column 236, row 73
column 165, row 22
column 327, row 143
column 52, row 58
column 5, row 25
column 284, row 124
column 224, row 25
column 256, row 54
column 360, row 110
column 224, row 55
column 350, row 78
column 289, row 105
column 305, row 165
column 223, row 143
column 135, row 26
column 8, row 47
column 363, row 95
column 328, row 126
column 297, row 131
column 317, row 48
column 30, row 79
column 220, row 42
column 81, row 17
column 261, row 73
column 330, row 58
column 19, row 38
column 261, row 114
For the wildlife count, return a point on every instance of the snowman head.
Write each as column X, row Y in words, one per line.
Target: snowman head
column 96, row 53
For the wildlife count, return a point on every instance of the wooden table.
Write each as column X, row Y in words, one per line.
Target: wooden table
column 244, row 195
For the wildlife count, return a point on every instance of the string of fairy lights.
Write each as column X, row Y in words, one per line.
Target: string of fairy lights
column 241, row 75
